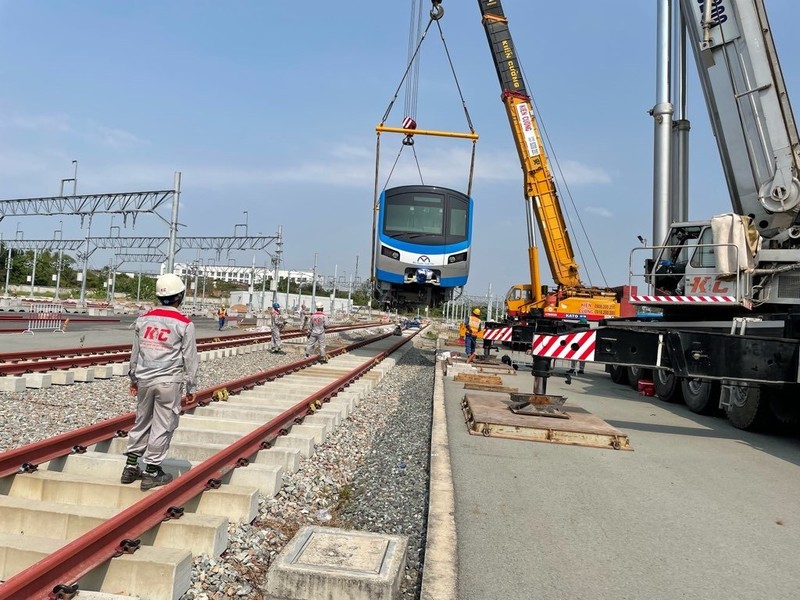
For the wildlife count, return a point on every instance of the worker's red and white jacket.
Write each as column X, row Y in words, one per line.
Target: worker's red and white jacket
column 317, row 323
column 277, row 319
column 164, row 349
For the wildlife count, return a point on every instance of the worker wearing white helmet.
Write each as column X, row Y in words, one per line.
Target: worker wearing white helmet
column 317, row 324
column 277, row 322
column 163, row 363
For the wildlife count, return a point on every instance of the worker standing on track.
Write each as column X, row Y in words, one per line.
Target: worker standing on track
column 278, row 322
column 163, row 361
column 222, row 314
column 473, row 326
column 317, row 324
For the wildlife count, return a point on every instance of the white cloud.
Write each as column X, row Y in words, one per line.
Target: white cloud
column 111, row 137
column 38, row 123
column 576, row 173
column 95, row 133
column 599, row 211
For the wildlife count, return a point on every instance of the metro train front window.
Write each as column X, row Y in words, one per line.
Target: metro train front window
column 458, row 222
column 422, row 214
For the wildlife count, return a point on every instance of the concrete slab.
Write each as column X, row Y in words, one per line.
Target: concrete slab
column 12, row 384
column 62, row 377
column 38, row 381
column 286, row 458
column 324, row 562
column 154, row 573
column 103, row 372
column 318, row 431
column 201, row 534
column 299, row 441
column 236, row 503
column 108, row 467
column 121, row 369
column 84, row 375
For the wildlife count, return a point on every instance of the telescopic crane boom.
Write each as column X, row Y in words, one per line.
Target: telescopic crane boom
column 541, row 198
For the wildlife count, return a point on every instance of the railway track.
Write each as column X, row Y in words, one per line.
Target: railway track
column 35, row 361
column 67, row 523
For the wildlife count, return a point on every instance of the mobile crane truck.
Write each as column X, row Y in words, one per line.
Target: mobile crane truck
column 729, row 287
column 571, row 298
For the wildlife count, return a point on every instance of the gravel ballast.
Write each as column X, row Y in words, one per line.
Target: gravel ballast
column 370, row 474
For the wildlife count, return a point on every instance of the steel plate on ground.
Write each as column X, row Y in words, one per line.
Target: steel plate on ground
column 488, row 415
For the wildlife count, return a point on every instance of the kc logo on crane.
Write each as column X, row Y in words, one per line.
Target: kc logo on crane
column 156, row 333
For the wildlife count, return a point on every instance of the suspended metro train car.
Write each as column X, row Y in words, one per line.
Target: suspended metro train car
column 423, row 245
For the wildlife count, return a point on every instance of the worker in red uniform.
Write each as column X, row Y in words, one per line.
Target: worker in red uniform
column 317, row 324
column 277, row 323
column 164, row 363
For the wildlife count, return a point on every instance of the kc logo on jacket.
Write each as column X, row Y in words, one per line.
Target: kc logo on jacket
column 156, row 333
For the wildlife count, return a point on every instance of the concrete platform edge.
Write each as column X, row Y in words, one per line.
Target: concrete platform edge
column 439, row 572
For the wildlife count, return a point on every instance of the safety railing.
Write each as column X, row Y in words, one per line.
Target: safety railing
column 690, row 280
column 45, row 317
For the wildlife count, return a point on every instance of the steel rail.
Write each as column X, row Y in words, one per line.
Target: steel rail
column 211, row 342
column 69, row 563
column 26, row 458
column 71, row 357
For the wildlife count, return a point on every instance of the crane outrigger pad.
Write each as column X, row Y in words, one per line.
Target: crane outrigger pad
column 489, row 415
column 538, row 405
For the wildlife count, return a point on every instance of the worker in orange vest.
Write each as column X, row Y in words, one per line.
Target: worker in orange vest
column 473, row 326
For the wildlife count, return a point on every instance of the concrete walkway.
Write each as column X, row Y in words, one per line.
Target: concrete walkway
column 699, row 509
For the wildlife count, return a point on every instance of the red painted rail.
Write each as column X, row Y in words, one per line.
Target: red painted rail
column 68, row 564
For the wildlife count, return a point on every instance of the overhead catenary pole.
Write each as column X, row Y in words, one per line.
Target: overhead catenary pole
column 277, row 259
column 8, row 272
column 113, row 278
column 196, row 275
column 314, row 284
column 173, row 225
column 263, row 286
column 33, row 272
column 350, row 295
column 251, row 289
column 333, row 291
column 58, row 272
column 85, row 268
column 489, row 304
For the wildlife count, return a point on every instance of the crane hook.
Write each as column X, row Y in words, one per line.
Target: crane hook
column 437, row 12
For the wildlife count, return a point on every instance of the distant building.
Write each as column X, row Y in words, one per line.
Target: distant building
column 246, row 275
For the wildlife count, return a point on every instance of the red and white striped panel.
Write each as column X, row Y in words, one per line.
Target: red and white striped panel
column 684, row 299
column 409, row 123
column 570, row 346
column 501, row 333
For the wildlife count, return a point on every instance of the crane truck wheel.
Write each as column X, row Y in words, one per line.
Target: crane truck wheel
column 619, row 374
column 748, row 408
column 635, row 374
column 702, row 397
column 667, row 386
column 784, row 407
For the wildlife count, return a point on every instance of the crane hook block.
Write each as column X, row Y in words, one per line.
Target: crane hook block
column 437, row 12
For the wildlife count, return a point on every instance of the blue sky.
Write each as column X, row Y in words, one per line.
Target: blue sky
column 270, row 108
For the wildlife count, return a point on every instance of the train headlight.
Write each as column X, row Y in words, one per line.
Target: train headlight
column 385, row 251
column 454, row 258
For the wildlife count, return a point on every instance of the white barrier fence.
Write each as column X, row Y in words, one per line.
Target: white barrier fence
column 45, row 317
